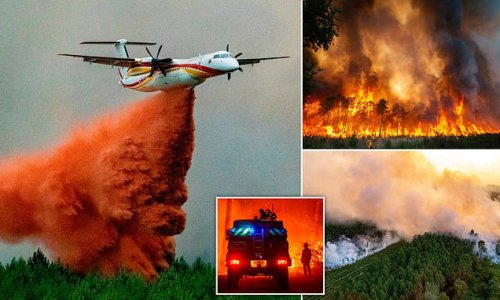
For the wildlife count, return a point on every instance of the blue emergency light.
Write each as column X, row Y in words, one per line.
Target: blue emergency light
column 242, row 231
column 249, row 231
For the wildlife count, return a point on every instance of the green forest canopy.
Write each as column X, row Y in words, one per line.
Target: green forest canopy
column 432, row 266
column 38, row 278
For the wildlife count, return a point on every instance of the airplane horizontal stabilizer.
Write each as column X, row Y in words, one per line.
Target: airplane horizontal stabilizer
column 118, row 42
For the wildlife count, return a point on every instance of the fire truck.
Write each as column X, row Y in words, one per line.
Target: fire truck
column 256, row 247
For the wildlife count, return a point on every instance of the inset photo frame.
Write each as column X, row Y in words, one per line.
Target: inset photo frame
column 270, row 245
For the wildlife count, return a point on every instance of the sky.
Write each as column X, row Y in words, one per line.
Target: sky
column 247, row 130
column 480, row 163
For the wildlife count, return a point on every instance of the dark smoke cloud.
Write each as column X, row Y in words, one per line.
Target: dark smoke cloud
column 467, row 68
column 482, row 15
column 110, row 196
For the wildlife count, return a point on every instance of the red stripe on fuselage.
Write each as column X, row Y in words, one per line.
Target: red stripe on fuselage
column 197, row 67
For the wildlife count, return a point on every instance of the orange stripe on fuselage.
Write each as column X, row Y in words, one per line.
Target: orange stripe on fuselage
column 138, row 84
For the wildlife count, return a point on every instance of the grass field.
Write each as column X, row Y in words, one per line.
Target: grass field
column 484, row 141
column 336, row 277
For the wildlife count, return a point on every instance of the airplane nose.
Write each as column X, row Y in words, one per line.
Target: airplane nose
column 234, row 65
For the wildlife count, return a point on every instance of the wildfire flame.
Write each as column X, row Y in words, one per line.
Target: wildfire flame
column 361, row 115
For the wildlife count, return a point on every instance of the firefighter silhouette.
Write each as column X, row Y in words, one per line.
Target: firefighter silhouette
column 267, row 214
column 306, row 259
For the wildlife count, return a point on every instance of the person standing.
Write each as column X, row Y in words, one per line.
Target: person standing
column 306, row 259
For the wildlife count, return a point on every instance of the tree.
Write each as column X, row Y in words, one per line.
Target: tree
column 396, row 113
column 346, row 102
column 38, row 260
column 381, row 108
column 309, row 71
column 402, row 116
column 320, row 23
column 328, row 108
column 330, row 102
column 495, row 196
column 319, row 28
column 482, row 247
column 459, row 289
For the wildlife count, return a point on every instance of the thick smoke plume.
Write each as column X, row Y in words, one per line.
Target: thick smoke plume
column 110, row 196
column 431, row 61
column 346, row 250
column 401, row 192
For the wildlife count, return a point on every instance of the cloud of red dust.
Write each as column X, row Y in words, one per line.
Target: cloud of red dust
column 109, row 197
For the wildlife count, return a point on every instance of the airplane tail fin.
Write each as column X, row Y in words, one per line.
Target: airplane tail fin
column 120, row 50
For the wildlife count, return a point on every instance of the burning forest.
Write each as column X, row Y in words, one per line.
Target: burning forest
column 110, row 196
column 406, row 69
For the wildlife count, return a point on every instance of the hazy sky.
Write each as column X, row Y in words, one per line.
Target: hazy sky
column 481, row 163
column 409, row 192
column 247, row 129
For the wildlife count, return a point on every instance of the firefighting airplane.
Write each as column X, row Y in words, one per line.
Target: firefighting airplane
column 151, row 74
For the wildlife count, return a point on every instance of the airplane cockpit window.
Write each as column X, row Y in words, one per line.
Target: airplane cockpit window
column 223, row 55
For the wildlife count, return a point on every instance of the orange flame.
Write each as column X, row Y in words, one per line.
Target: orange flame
column 361, row 115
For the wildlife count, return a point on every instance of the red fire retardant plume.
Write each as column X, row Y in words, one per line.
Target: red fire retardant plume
column 110, row 196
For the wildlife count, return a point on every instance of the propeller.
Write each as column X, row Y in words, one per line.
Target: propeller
column 155, row 62
column 236, row 56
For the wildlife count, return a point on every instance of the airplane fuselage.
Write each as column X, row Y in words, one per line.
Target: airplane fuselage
column 149, row 74
column 181, row 73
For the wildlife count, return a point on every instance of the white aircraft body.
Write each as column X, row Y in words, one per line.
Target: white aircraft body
column 151, row 74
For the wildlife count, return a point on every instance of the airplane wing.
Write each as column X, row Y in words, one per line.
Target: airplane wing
column 112, row 61
column 164, row 62
column 251, row 61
